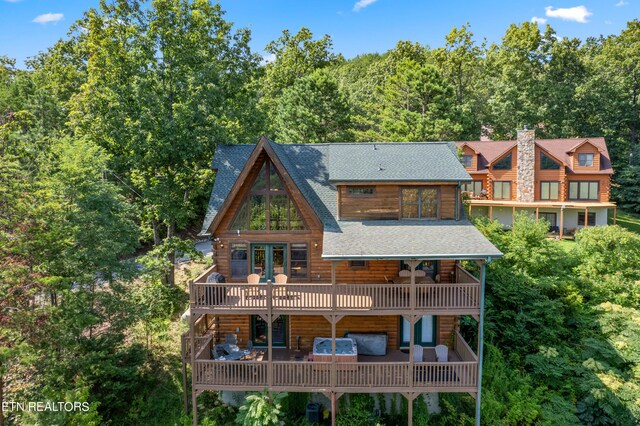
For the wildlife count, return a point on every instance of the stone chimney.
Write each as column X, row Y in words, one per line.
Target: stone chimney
column 526, row 165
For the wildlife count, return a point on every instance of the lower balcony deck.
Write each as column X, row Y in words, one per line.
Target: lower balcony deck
column 293, row 371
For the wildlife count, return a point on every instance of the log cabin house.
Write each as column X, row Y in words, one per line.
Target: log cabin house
column 373, row 239
column 565, row 181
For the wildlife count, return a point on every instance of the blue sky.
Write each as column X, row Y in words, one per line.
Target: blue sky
column 356, row 26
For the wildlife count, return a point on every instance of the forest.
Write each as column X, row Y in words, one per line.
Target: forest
column 106, row 139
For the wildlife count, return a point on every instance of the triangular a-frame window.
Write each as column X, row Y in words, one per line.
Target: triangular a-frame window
column 268, row 206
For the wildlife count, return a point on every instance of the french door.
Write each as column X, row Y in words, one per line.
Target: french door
column 259, row 331
column 268, row 260
column 424, row 331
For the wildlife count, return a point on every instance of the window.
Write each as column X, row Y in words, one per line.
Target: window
column 361, row 191
column 591, row 217
column 466, row 160
column 268, row 206
column 430, row 267
column 299, row 260
column 547, row 163
column 358, row 264
column 239, row 260
column 549, row 217
column 502, row 190
column 549, row 190
column 585, row 160
column 419, row 203
column 504, row 163
column 583, row 190
column 475, row 187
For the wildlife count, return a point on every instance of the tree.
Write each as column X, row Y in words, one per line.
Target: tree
column 461, row 62
column 294, row 56
column 261, row 409
column 165, row 84
column 314, row 109
column 418, row 105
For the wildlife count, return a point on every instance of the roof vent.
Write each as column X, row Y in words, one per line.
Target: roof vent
column 380, row 169
column 526, row 127
column 375, row 147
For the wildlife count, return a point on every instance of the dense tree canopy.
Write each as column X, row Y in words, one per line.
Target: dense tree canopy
column 105, row 144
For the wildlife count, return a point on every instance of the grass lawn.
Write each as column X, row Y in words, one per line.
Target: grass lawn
column 627, row 220
column 566, row 245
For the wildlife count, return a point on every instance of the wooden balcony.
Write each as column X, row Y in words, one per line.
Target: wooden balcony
column 390, row 373
column 461, row 298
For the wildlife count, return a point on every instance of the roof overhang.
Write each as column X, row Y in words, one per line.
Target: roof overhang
column 406, row 240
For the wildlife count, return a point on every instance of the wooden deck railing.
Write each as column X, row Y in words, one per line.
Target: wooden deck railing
column 203, row 345
column 348, row 297
column 364, row 376
column 462, row 348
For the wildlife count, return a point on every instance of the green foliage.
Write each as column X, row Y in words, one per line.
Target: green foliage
column 313, row 109
column 358, row 410
column 608, row 250
column 263, row 408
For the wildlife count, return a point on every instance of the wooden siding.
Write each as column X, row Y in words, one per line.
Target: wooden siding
column 586, row 148
column 309, row 327
column 504, row 175
column 549, row 176
column 385, row 202
column 474, row 158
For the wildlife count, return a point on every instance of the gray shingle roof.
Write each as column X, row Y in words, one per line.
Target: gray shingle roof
column 397, row 161
column 313, row 167
column 406, row 239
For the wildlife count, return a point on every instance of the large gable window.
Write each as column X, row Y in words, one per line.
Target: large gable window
column 547, row 163
column 419, row 203
column 268, row 207
column 585, row 160
column 504, row 163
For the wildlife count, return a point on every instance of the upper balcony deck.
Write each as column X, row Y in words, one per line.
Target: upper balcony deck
column 459, row 298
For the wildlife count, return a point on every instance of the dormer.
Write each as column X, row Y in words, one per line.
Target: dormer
column 469, row 158
column 585, row 156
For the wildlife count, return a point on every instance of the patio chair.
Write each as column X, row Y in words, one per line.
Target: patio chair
column 280, row 291
column 418, row 353
column 420, row 273
column 253, row 290
column 404, row 273
column 442, row 353
column 231, row 339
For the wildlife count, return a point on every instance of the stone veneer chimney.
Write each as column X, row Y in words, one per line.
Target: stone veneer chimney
column 526, row 165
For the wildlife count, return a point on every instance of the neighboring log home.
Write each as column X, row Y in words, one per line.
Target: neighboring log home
column 565, row 181
column 372, row 238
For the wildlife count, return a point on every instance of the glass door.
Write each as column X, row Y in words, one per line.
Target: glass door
column 424, row 331
column 259, row 331
column 268, row 260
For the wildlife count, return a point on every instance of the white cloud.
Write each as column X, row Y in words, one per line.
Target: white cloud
column 362, row 4
column 622, row 3
column 577, row 14
column 539, row 21
column 48, row 17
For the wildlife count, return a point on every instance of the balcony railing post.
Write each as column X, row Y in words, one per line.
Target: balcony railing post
column 270, row 333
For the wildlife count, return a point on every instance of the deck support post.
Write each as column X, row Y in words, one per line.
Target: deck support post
column 192, row 334
column 561, row 220
column 513, row 216
column 586, row 217
column 470, row 206
column 491, row 213
column 615, row 210
column 410, row 396
column 537, row 213
column 334, row 408
column 483, row 272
